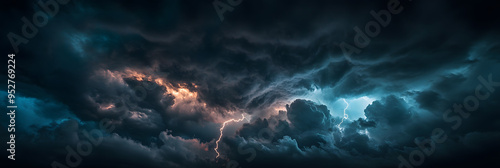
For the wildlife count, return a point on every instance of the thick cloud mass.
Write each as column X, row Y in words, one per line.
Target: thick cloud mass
column 166, row 75
column 305, row 115
column 392, row 112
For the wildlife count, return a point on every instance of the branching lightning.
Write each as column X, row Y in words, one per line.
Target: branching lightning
column 345, row 115
column 222, row 129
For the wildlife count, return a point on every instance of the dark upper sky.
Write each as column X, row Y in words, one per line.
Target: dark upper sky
column 326, row 83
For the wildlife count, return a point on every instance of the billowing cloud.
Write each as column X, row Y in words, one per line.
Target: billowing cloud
column 167, row 74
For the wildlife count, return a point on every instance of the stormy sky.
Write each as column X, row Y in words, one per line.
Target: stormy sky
column 326, row 83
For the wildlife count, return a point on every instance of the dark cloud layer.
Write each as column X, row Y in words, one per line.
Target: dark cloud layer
column 167, row 74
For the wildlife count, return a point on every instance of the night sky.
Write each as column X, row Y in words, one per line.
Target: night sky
column 291, row 83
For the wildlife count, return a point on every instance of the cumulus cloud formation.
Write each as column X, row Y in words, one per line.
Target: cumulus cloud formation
column 166, row 75
column 305, row 115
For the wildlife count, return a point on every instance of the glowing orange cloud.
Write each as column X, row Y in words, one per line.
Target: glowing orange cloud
column 185, row 100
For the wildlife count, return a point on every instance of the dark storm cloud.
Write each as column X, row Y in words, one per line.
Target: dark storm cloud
column 265, row 54
column 365, row 124
column 390, row 110
column 305, row 115
column 310, row 124
column 277, row 142
column 431, row 101
column 46, row 142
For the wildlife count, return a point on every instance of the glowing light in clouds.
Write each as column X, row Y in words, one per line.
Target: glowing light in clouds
column 222, row 129
column 345, row 115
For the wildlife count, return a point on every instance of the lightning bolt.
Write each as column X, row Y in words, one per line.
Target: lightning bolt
column 345, row 115
column 222, row 129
